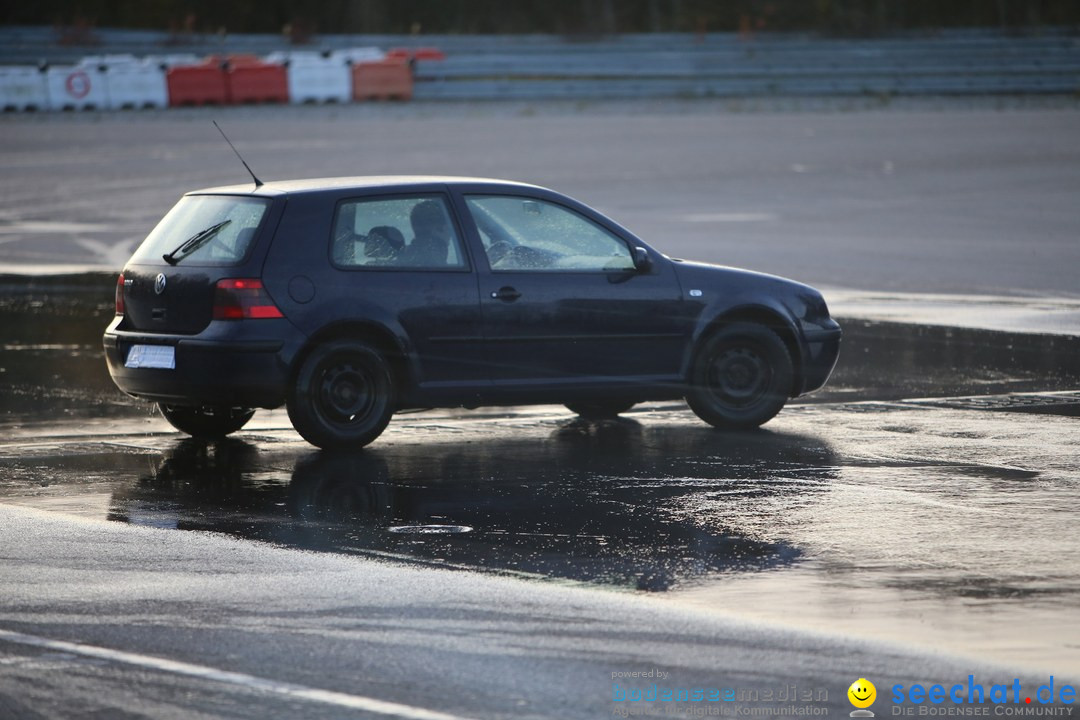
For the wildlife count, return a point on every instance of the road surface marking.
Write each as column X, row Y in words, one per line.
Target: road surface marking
column 299, row 692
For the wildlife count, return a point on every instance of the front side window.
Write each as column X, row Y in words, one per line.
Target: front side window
column 401, row 232
column 204, row 230
column 535, row 235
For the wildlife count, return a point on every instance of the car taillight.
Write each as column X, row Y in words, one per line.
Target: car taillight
column 243, row 299
column 120, row 294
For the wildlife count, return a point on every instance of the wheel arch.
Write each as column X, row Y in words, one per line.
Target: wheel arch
column 392, row 347
column 758, row 315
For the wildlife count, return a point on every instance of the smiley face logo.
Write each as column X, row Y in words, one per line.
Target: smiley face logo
column 862, row 693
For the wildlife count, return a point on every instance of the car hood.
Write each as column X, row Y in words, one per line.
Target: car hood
column 734, row 287
column 690, row 271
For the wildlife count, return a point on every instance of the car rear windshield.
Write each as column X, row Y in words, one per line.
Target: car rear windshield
column 204, row 230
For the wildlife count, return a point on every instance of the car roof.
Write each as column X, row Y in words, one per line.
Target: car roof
column 368, row 182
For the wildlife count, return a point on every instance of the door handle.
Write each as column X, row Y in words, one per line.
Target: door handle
column 506, row 294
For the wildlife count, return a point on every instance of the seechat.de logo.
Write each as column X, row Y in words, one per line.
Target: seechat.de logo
column 862, row 694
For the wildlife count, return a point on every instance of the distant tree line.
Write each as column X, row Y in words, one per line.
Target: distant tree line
column 563, row 17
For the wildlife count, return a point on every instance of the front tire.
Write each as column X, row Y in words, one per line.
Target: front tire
column 741, row 377
column 344, row 395
column 206, row 423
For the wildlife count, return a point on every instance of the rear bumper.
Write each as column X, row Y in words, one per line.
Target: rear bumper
column 212, row 368
column 822, row 348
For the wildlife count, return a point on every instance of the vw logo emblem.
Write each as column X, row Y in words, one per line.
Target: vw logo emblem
column 159, row 283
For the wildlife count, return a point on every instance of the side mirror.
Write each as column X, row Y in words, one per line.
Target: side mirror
column 642, row 260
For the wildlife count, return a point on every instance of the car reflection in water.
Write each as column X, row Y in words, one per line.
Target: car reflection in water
column 607, row 502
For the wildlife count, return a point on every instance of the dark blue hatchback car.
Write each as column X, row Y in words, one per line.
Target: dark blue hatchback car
column 349, row 299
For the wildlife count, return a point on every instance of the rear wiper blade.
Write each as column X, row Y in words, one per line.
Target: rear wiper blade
column 193, row 243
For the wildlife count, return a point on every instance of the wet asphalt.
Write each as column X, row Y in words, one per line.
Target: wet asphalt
column 924, row 503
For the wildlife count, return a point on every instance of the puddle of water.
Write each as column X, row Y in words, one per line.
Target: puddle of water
column 584, row 509
column 429, row 529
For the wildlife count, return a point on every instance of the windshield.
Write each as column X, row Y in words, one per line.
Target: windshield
column 234, row 220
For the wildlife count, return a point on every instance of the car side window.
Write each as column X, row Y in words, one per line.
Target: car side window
column 520, row 233
column 414, row 233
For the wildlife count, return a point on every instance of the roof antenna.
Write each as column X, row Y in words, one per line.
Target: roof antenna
column 258, row 182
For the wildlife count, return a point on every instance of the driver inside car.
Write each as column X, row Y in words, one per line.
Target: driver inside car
column 432, row 231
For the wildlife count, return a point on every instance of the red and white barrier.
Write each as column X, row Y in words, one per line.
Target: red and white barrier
column 323, row 77
column 103, row 82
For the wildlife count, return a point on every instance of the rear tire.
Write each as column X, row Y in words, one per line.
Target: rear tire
column 741, row 377
column 599, row 410
column 344, row 395
column 206, row 423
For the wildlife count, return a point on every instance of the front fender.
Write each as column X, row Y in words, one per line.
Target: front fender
column 771, row 314
column 725, row 295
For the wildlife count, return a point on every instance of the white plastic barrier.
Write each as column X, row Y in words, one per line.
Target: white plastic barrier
column 22, row 88
column 136, row 85
column 76, row 87
column 314, row 77
column 130, row 82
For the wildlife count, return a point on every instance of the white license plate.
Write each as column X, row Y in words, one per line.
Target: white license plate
column 152, row 356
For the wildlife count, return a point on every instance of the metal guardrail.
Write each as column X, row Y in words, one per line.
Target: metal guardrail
column 662, row 65
column 727, row 66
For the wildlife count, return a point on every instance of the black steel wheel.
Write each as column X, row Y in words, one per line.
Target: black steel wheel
column 343, row 396
column 207, row 423
column 600, row 410
column 741, row 377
